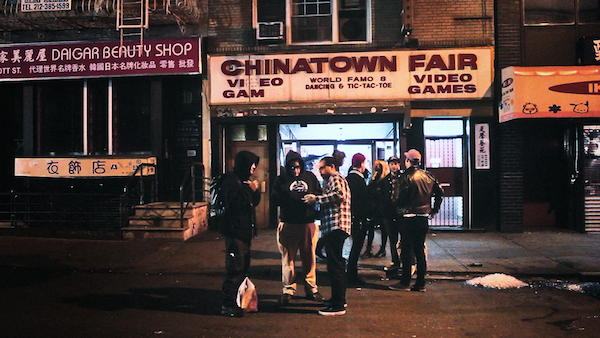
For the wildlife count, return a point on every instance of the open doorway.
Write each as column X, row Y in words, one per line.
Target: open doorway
column 445, row 157
column 377, row 141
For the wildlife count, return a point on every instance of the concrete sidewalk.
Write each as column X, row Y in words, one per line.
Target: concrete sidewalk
column 450, row 254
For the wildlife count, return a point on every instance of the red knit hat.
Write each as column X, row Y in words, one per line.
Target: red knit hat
column 357, row 160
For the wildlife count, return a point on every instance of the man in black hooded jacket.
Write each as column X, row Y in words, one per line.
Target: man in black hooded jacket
column 238, row 225
column 297, row 230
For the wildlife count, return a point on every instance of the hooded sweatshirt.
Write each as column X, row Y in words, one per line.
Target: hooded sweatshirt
column 240, row 217
column 288, row 191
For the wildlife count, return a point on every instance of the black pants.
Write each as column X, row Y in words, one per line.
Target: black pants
column 392, row 231
column 413, row 231
column 237, row 263
column 336, row 266
column 358, row 232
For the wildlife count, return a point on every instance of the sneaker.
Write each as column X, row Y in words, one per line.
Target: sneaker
column 231, row 311
column 391, row 267
column 285, row 299
column 328, row 303
column 316, row 297
column 418, row 288
column 400, row 287
column 331, row 311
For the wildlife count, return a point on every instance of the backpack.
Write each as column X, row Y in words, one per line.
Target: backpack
column 217, row 202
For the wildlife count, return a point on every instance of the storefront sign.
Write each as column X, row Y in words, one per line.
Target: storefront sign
column 550, row 92
column 45, row 5
column 99, row 59
column 390, row 75
column 482, row 146
column 81, row 167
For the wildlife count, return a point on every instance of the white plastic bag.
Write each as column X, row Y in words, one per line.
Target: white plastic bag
column 246, row 296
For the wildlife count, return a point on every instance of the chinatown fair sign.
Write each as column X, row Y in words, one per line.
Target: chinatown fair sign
column 386, row 75
column 99, row 59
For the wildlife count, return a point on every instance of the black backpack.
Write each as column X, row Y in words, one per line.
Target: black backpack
column 217, row 202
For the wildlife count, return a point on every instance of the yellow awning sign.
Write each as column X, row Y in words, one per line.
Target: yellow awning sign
column 550, row 92
column 82, row 167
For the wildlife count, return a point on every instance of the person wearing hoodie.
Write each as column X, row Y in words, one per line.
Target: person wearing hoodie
column 297, row 230
column 238, row 226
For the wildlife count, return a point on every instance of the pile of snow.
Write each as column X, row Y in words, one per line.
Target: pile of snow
column 497, row 281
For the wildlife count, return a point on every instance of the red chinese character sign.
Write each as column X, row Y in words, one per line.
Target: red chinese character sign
column 99, row 59
column 55, row 167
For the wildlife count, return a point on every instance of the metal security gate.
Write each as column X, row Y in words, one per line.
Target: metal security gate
column 444, row 158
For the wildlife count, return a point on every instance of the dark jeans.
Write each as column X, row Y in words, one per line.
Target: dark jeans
column 413, row 231
column 237, row 263
column 392, row 231
column 336, row 266
column 358, row 232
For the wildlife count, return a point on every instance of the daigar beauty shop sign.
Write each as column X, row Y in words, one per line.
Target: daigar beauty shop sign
column 399, row 75
column 99, row 59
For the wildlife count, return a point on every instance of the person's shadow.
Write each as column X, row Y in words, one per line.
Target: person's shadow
column 184, row 300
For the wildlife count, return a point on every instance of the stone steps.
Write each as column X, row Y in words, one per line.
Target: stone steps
column 161, row 220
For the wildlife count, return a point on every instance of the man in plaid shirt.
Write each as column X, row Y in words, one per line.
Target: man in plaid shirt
column 335, row 228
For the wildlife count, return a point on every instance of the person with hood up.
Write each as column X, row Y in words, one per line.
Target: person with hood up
column 297, row 230
column 238, row 226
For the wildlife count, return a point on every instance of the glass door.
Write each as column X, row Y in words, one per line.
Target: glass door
column 445, row 145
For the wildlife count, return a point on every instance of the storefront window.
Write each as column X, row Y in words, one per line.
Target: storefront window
column 560, row 11
column 589, row 11
column 132, row 117
column 60, row 118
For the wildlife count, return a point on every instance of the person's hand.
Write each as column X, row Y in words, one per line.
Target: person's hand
column 253, row 184
column 309, row 198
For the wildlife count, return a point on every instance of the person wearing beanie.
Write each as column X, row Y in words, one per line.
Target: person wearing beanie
column 297, row 231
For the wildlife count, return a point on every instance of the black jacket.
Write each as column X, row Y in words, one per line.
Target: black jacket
column 361, row 203
column 239, row 219
column 288, row 191
column 417, row 186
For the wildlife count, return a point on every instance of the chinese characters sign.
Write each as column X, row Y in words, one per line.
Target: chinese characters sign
column 482, row 146
column 45, row 5
column 99, row 59
column 385, row 75
column 81, row 167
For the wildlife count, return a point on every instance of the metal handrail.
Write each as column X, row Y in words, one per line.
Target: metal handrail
column 188, row 189
column 140, row 170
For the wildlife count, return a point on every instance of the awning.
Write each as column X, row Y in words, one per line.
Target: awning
column 550, row 92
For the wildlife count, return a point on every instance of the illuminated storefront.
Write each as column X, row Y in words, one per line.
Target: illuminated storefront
column 276, row 102
column 558, row 110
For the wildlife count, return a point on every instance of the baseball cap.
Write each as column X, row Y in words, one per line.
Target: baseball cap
column 412, row 155
column 358, row 159
column 393, row 159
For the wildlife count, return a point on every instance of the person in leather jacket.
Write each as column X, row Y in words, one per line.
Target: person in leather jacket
column 417, row 187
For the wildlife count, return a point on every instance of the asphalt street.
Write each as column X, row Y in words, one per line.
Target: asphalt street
column 82, row 288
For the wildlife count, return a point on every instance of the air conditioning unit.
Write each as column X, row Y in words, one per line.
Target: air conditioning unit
column 353, row 29
column 270, row 31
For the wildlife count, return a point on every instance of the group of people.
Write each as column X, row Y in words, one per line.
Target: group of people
column 347, row 206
